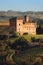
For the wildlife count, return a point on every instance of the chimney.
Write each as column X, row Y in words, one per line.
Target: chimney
column 26, row 18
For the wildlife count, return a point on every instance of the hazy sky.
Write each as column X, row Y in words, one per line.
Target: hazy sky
column 21, row 5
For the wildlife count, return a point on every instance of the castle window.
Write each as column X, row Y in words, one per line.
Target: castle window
column 34, row 31
column 19, row 24
column 19, row 33
column 19, row 29
column 29, row 28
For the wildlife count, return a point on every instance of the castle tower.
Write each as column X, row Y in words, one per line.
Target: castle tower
column 13, row 24
column 26, row 18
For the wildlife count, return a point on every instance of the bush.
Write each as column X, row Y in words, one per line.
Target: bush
column 15, row 34
column 21, row 43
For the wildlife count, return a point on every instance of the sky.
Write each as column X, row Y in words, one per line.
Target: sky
column 21, row 5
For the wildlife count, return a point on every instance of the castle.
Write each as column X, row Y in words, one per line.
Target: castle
column 22, row 26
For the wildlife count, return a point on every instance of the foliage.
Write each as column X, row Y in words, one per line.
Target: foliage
column 20, row 43
column 15, row 34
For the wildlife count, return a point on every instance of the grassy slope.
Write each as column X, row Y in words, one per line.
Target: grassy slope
column 28, row 37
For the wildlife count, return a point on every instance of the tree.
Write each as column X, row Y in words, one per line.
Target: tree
column 21, row 43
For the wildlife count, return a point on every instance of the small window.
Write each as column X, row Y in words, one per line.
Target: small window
column 19, row 24
column 27, row 28
column 19, row 28
column 19, row 33
column 33, row 32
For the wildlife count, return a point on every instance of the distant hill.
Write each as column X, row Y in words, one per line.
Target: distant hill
column 37, row 16
column 10, row 13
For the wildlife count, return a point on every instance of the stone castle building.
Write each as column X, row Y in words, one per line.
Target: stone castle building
column 22, row 26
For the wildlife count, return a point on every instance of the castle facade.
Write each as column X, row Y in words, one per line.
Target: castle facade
column 22, row 26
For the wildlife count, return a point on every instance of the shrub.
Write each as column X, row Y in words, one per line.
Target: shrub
column 21, row 43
